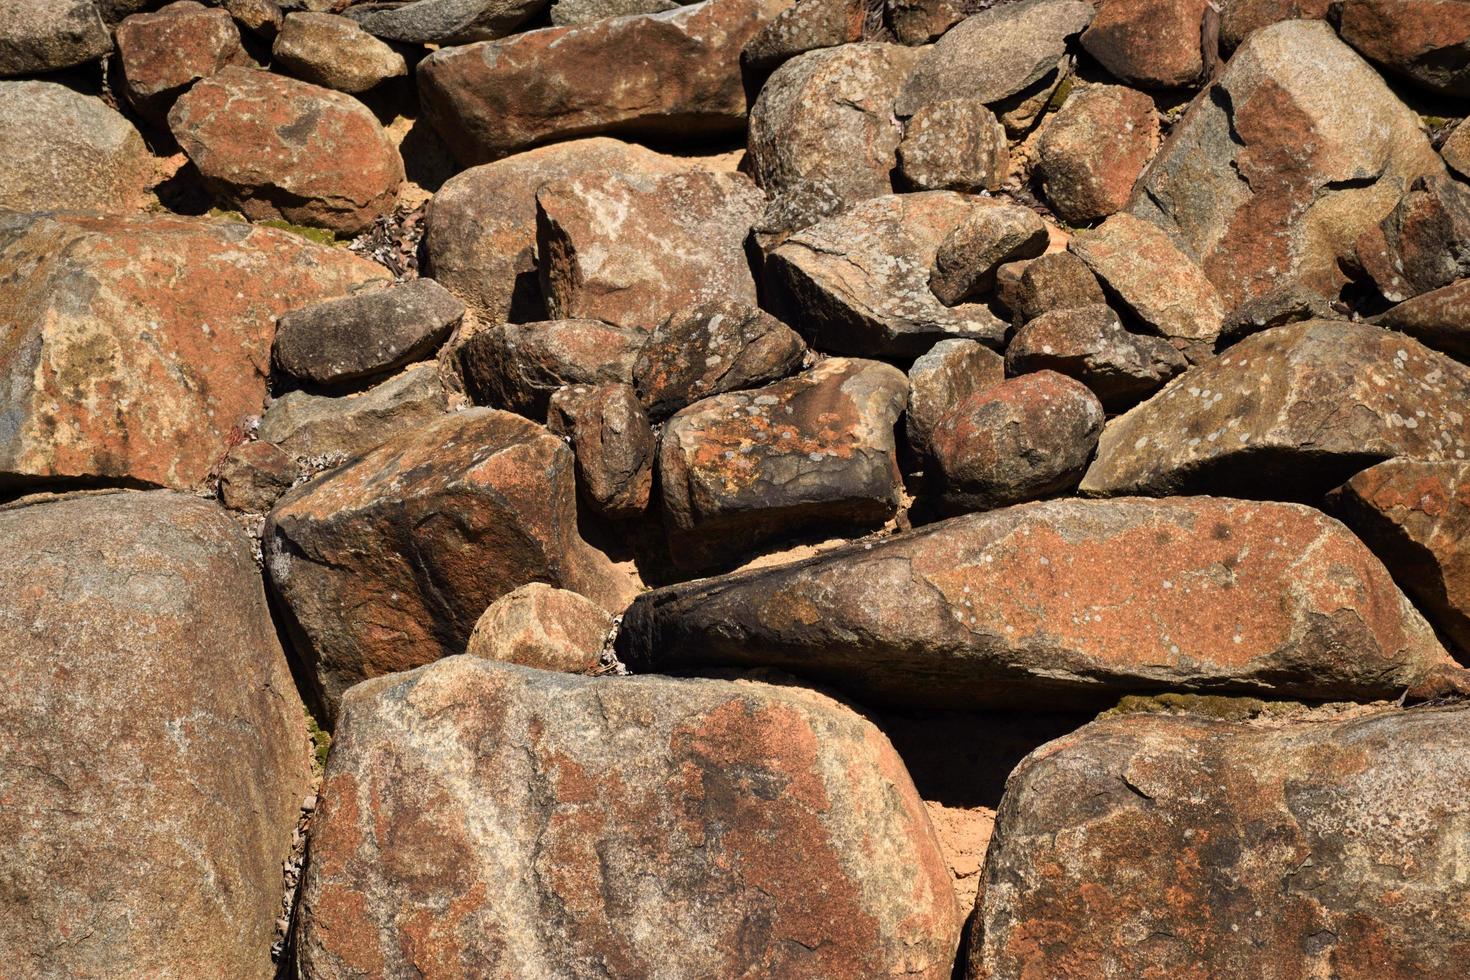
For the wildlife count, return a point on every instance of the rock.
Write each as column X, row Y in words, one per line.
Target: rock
column 1456, row 149
column 921, row 21
column 108, row 372
column 742, row 469
column 335, row 52
column 858, row 283
column 828, row 116
column 986, row 238
column 789, row 211
column 142, row 670
column 164, row 53
column 517, row 366
column 367, row 335
column 1008, row 609
column 1054, row 281
column 308, row 426
column 1020, row 113
column 1093, row 150
column 806, row 25
column 613, row 443
column 996, row 54
column 254, row 475
column 1241, row 18
column 1289, row 304
column 68, row 151
column 1439, row 319
column 386, row 563
column 444, row 22
column 1024, row 439
column 1155, row 43
column 1155, row 281
column 951, row 372
column 1424, row 41
column 1293, row 410
column 1276, row 169
column 565, row 13
column 1422, row 244
column 113, row 11
column 541, row 627
column 262, row 18
column 693, row 828
column 1089, row 343
column 629, row 249
column 954, row 145
column 490, row 100
column 275, row 147
column 1334, row 827
column 44, row 35
column 709, row 349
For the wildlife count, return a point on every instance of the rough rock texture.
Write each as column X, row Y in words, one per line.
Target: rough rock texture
column 1423, row 243
column 1089, row 343
column 741, row 469
column 986, row 238
column 950, row 372
column 921, row 21
column 565, row 13
column 307, row 425
column 680, row 828
column 858, row 283
column 613, row 442
column 334, row 52
column 387, row 562
column 1008, row 609
column 1425, row 41
column 254, row 475
column 44, row 35
column 107, row 370
column 1054, row 281
column 275, row 147
column 154, row 758
column 1155, row 43
column 262, row 18
column 806, row 25
column 1289, row 411
column 1316, row 845
column 444, row 22
column 954, row 145
column 1439, row 319
column 1456, row 150
column 1278, row 167
column 1093, row 150
column 517, row 366
column 629, row 249
column 489, row 100
column 163, row 53
column 1241, row 18
column 542, row 627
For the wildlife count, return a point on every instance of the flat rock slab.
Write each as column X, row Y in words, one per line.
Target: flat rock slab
column 307, row 425
column 1439, row 318
column 537, row 824
column 444, row 22
column 1018, row 609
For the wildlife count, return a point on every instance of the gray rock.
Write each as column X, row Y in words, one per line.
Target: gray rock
column 1089, row 343
column 565, row 13
column 44, row 35
column 334, row 52
column 806, row 25
column 444, row 22
column 950, row 372
column 954, row 145
column 319, row 426
column 988, row 237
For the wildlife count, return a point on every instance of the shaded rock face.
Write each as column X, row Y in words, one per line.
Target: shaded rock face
column 1155, row 43
column 163, row 53
column 954, row 145
column 1006, row 609
column 1437, row 319
column 1281, row 164
column 44, row 35
column 1133, row 825
column 518, row 366
column 1423, row 243
column 335, row 52
column 985, row 239
column 679, row 828
column 1289, row 411
column 307, row 425
column 490, row 100
column 254, row 475
column 155, row 750
column 613, row 444
column 444, row 22
column 1456, row 150
column 1054, row 281
column 806, row 25
column 386, row 563
column 105, row 369
column 1424, row 41
column 542, row 627
column 949, row 373
column 565, row 13
column 1089, row 343
column 1093, row 150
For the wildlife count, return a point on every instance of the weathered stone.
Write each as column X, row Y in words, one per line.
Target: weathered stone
column 629, row 249
column 113, row 11
column 335, row 52
column 1422, row 244
column 922, row 21
column 386, row 563
column 741, row 469
column 308, row 426
column 44, row 35
column 1290, row 411
column 613, row 443
column 254, row 475
column 154, row 755
column 806, row 25
column 709, row 349
column 135, row 346
column 1089, row 343
column 1316, row 844
column 1456, row 150
column 444, row 22
column 1281, row 164
column 263, row 18
column 1024, row 439
column 858, row 283
column 541, row 627
column 794, row 208
column 275, row 147
column 1439, row 319
column 1276, row 308
column 565, row 13
column 492, row 99
column 1425, row 41
column 1020, row 113
column 164, row 53
column 1241, row 18
column 1155, row 43
column 1009, row 609
column 1093, row 150
column 952, row 371
column 1054, row 281
column 517, row 366
column 954, row 145
column 986, row 238
column 682, row 828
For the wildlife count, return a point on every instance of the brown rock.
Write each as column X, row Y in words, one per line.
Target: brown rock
column 1422, row 244
column 335, row 52
column 320, row 426
column 1009, row 609
column 806, row 25
column 689, row 828
column 1241, row 18
column 1456, row 150
column 1089, row 343
column 1439, row 319
column 164, row 53
column 1054, row 281
column 263, row 18
column 921, row 21
column 954, row 145
column 986, row 238
column 109, row 372
column 254, row 475
column 44, row 35
column 952, row 371
column 1155, row 43
column 1425, row 41
column 541, row 627
column 613, row 443
column 441, row 23
column 154, row 750
column 568, row 12
column 517, row 366
column 1093, row 150
column 796, row 207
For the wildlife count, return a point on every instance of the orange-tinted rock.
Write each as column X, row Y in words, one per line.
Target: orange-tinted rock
column 1425, row 41
column 1062, row 604
column 517, row 366
column 950, row 372
column 44, row 35
column 517, row 823
column 954, row 145
column 1456, row 149
column 163, row 53
column 1439, row 318
column 1159, row 845
column 1241, row 18
column 1093, row 150
column 806, row 25
column 1422, row 244
column 1155, row 43
column 386, row 563
column 541, row 627
column 613, row 442
column 135, row 346
column 1089, row 343
column 155, row 753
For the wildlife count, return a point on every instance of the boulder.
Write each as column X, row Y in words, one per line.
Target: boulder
column 986, row 238
column 1090, row 344
column 164, row 53
column 275, row 147
column 1093, row 150
column 1422, row 244
column 917, row 22
column 1008, row 609
column 136, row 347
column 799, row 206
column 443, row 22
column 613, row 442
column 954, row 145
column 1456, row 149
column 1424, row 41
column 321, row 426
column 155, row 752
column 517, row 366
column 1239, row 19
column 541, row 627
column 565, row 13
column 1439, row 318
column 1155, row 43
column 334, row 52
column 806, row 25
column 45, row 35
column 1054, row 281
column 681, row 828
column 949, row 373
column 254, row 475
column 262, row 18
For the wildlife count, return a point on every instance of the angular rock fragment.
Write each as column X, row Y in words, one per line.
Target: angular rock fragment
column 542, row 627
column 565, row 13
column 163, row 53
column 443, row 22
column 950, row 372
column 321, row 426
column 45, row 35
column 954, row 145
column 1239, row 19
column 1054, row 281
column 334, row 52
column 1424, row 41
column 988, row 237
column 1456, row 150
column 262, row 18
column 614, row 445
column 917, row 22
column 1155, row 43
column 1093, row 150
column 806, row 25
column 517, row 366
column 1422, row 244
column 1089, row 343
column 254, row 475
column 1439, row 319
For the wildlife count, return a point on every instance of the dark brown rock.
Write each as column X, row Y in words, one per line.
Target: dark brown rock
column 517, row 366
column 1241, row 18
column 254, row 475
column 1155, row 43
column 334, row 52
column 443, row 22
column 541, row 627
column 335, row 428
column 1054, row 281
column 806, row 25
column 954, row 145
column 1089, row 343
column 1439, row 319
column 164, row 53
column 1422, row 244
column 613, row 444
column 1093, row 150
column 986, row 238
column 1424, row 41
column 950, row 372
column 44, row 35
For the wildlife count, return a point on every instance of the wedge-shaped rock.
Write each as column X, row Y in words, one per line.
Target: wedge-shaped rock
column 678, row 828
column 303, row 424
column 1013, row 609
column 1439, row 318
column 1089, row 344
column 161, row 54
column 518, row 366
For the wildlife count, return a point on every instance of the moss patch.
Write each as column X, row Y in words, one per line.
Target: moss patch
column 318, row 235
column 321, row 743
column 1203, row 705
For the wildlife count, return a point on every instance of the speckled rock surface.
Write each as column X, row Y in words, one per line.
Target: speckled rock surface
column 517, row 366
column 1089, row 343
column 161, row 54
column 1424, row 41
column 950, row 372
column 307, row 425
column 1155, row 43
column 954, row 145
column 1439, row 318
column 542, row 627
column 44, row 35
column 986, row 238
column 334, row 52
column 806, row 25
column 1093, row 150
column 613, row 442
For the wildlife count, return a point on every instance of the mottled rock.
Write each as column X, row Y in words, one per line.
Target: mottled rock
column 1155, row 43
column 1008, row 609
column 613, row 442
column 1241, row 18
column 1456, row 150
column 1276, row 308
column 1090, row 344
column 517, row 366
column 986, row 238
column 44, row 35
column 1424, row 41
column 806, row 25
column 565, row 13
column 254, row 475
column 154, row 755
column 1054, row 281
column 794, row 208
column 444, row 22
column 164, row 53
column 1423, row 243
column 1439, row 319
column 308, row 426
column 1093, row 150
column 684, row 828
column 334, row 52
column 262, row 18
column 950, row 372
column 542, row 627
column 921, row 21
column 954, row 145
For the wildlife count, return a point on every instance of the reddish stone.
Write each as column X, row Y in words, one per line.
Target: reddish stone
column 541, row 627
column 613, row 443
column 1425, row 41
column 1155, row 43
column 1089, row 343
column 517, row 366
column 950, row 372
column 1439, row 319
column 1093, row 150
column 163, row 53
column 1241, row 18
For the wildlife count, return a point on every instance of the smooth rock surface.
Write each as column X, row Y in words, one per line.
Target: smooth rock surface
column 444, row 22
column 334, row 52
column 1155, row 43
column 1424, row 41
column 307, row 425
column 542, row 627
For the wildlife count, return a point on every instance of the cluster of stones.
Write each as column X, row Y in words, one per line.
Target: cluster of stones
column 839, row 490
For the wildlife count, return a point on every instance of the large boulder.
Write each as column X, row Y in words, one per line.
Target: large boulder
column 1424, row 41
column 1008, row 609
column 165, row 52
column 134, row 347
column 44, row 35
column 155, row 757
column 536, row 824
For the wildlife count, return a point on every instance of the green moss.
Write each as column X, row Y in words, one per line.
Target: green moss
column 1059, row 94
column 319, row 235
column 1203, row 705
column 1435, row 122
column 321, row 743
column 228, row 215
